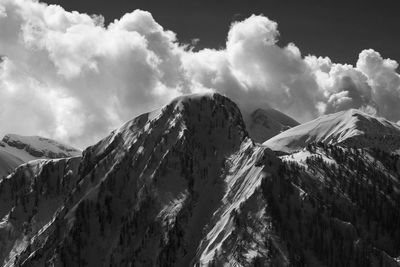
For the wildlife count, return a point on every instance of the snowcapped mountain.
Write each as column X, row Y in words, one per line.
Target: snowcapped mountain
column 352, row 128
column 16, row 149
column 185, row 186
column 262, row 124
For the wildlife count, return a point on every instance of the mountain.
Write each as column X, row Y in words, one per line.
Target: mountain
column 8, row 163
column 16, row 150
column 142, row 195
column 352, row 128
column 262, row 124
column 186, row 186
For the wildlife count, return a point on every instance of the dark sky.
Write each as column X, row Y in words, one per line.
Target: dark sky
column 338, row 29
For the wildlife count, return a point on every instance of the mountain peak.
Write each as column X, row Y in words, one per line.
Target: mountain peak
column 351, row 127
column 262, row 124
column 170, row 168
column 187, row 114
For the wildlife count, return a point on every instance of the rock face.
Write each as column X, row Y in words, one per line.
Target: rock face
column 186, row 186
column 263, row 124
column 16, row 150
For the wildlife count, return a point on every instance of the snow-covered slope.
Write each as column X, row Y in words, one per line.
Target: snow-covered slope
column 8, row 163
column 185, row 186
column 16, row 149
column 352, row 128
column 262, row 124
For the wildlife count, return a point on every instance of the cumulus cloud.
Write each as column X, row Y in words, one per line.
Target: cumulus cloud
column 254, row 71
column 384, row 81
column 68, row 76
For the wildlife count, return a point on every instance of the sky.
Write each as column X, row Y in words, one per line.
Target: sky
column 339, row 29
column 75, row 70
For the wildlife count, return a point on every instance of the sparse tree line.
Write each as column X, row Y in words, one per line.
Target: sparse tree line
column 350, row 218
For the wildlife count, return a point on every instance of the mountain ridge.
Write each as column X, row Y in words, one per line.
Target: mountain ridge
column 353, row 128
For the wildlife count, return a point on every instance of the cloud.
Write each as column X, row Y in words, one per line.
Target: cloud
column 64, row 68
column 343, row 86
column 68, row 76
column 384, row 82
column 254, row 71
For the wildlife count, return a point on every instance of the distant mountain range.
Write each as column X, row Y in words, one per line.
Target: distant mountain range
column 16, row 150
column 186, row 185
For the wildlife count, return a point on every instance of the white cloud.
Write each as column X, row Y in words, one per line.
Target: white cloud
column 384, row 81
column 68, row 76
column 82, row 71
column 254, row 71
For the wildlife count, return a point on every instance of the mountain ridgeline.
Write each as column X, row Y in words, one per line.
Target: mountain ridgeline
column 16, row 150
column 185, row 185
